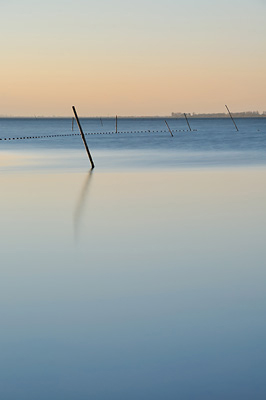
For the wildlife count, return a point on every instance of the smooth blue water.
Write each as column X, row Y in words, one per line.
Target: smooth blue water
column 212, row 142
column 139, row 279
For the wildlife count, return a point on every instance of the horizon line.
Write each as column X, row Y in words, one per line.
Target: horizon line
column 174, row 115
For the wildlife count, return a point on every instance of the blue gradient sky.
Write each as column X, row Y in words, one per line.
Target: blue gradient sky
column 122, row 57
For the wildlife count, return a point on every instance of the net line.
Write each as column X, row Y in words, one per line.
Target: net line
column 91, row 133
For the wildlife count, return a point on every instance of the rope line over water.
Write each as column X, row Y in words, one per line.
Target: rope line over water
column 91, row 133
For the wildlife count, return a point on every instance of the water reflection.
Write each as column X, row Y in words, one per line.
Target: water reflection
column 81, row 204
column 165, row 300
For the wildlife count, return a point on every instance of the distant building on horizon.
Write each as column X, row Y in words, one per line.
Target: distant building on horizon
column 242, row 114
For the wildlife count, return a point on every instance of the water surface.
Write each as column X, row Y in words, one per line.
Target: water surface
column 139, row 143
column 144, row 279
column 136, row 284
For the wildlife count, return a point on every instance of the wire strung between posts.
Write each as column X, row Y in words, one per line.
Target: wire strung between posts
column 39, row 137
column 90, row 133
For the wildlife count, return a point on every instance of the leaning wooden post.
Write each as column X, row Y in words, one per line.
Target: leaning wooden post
column 231, row 117
column 116, row 124
column 187, row 121
column 83, row 137
column 168, row 128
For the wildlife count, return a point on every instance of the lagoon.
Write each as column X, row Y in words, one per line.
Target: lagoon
column 142, row 279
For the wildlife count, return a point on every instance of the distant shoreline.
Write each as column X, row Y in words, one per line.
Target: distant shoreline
column 190, row 116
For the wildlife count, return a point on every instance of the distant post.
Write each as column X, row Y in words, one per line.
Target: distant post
column 187, row 121
column 116, row 124
column 83, row 137
column 168, row 128
column 231, row 117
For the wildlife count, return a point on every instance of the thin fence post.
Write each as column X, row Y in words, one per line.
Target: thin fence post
column 187, row 121
column 116, row 124
column 232, row 118
column 168, row 128
column 83, row 137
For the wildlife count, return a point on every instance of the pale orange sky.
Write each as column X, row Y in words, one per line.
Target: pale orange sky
column 141, row 58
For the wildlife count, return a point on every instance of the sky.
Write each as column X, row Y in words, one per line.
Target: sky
column 141, row 57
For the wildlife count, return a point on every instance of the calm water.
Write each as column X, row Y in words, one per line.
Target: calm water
column 142, row 279
column 214, row 143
